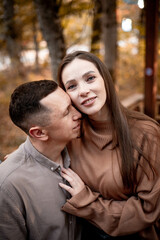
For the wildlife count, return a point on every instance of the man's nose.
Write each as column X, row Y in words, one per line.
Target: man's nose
column 76, row 114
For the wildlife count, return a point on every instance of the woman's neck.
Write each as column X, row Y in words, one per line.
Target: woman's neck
column 102, row 115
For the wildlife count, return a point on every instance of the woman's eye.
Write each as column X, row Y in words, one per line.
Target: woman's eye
column 71, row 87
column 90, row 78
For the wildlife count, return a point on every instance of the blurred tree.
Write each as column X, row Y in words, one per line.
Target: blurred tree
column 109, row 30
column 96, row 28
column 65, row 23
column 32, row 29
column 31, row 35
column 76, row 22
column 104, row 33
column 36, row 44
column 11, row 35
column 27, row 33
column 50, row 24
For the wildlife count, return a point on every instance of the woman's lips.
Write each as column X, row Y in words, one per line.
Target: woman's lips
column 88, row 101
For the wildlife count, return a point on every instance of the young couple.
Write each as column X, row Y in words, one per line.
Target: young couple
column 115, row 176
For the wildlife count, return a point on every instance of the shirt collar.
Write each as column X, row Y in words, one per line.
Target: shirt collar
column 42, row 159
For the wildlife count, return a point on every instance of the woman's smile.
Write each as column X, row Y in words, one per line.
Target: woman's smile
column 86, row 88
column 89, row 101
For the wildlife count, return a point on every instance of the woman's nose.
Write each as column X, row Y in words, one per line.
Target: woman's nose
column 83, row 90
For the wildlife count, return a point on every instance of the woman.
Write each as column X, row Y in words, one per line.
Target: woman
column 117, row 155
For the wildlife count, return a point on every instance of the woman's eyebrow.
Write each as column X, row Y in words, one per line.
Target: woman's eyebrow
column 87, row 73
column 71, row 80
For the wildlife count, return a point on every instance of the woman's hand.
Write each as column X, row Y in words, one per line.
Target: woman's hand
column 75, row 181
column 6, row 156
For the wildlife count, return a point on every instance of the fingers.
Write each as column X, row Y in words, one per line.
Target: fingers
column 5, row 157
column 71, row 173
column 66, row 187
column 71, row 177
column 75, row 181
column 68, row 178
column 68, row 171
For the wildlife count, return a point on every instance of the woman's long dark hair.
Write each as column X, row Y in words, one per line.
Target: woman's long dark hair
column 119, row 116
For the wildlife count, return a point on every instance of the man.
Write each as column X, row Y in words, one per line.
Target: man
column 30, row 196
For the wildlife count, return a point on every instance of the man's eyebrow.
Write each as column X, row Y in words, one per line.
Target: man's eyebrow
column 66, row 108
column 71, row 80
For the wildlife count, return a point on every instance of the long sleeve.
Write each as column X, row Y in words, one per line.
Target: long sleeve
column 12, row 224
column 117, row 217
column 141, row 210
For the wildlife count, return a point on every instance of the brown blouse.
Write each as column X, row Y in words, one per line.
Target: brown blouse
column 104, row 201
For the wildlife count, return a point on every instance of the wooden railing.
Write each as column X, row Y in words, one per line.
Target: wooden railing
column 136, row 102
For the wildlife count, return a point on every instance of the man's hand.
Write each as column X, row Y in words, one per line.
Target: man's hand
column 75, row 181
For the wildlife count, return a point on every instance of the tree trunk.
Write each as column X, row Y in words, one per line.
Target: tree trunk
column 50, row 25
column 109, row 29
column 96, row 28
column 36, row 45
column 11, row 35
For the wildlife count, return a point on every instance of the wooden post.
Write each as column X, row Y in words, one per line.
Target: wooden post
column 151, row 57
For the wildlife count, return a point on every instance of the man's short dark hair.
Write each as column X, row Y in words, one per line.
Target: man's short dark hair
column 25, row 107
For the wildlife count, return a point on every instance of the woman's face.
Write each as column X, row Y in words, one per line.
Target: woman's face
column 86, row 88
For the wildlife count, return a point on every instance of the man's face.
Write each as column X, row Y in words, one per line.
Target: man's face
column 64, row 122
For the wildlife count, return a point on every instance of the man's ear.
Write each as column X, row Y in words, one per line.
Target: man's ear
column 38, row 133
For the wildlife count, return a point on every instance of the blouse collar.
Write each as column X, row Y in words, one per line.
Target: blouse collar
column 100, row 133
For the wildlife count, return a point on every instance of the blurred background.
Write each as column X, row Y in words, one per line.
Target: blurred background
column 36, row 34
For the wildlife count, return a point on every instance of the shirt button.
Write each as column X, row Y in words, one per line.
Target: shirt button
column 59, row 168
column 52, row 169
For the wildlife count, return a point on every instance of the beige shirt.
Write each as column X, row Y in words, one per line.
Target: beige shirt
column 105, row 202
column 31, row 199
